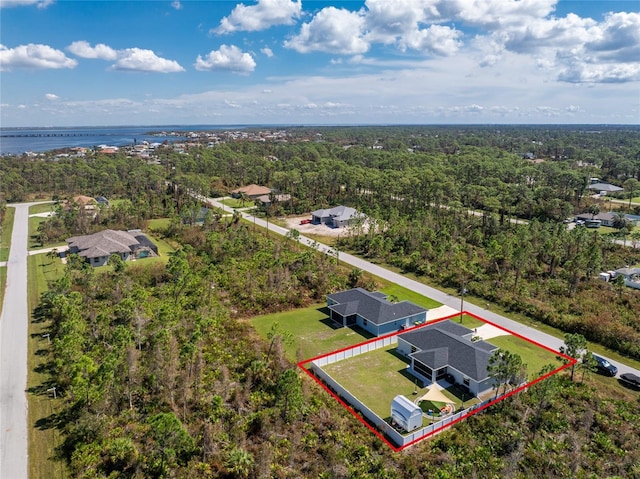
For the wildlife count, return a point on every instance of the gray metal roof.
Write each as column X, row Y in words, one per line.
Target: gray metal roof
column 372, row 306
column 469, row 357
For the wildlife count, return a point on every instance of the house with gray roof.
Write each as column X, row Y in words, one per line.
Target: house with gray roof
column 337, row 217
column 444, row 349
column 631, row 276
column 373, row 312
column 604, row 188
column 98, row 247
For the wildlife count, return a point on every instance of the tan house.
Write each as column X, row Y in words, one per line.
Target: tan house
column 252, row 191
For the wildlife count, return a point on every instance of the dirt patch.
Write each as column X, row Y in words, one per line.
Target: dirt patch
column 293, row 222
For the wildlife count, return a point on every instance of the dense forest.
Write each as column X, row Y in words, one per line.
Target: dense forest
column 161, row 375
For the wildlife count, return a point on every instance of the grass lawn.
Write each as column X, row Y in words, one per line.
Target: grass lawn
column 236, row 203
column 314, row 333
column 42, row 440
column 3, row 282
column 158, row 224
column 7, row 229
column 401, row 293
column 34, row 222
column 44, row 208
column 375, row 378
column 532, row 355
column 312, row 330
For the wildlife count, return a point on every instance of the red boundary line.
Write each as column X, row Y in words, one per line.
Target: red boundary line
column 301, row 365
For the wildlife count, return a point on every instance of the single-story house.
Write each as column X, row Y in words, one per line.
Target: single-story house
column 607, row 219
column 604, row 188
column 98, row 247
column 372, row 312
column 252, row 191
column 337, row 217
column 266, row 200
column 631, row 276
column 445, row 348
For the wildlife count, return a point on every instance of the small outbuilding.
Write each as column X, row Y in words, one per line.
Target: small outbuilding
column 405, row 413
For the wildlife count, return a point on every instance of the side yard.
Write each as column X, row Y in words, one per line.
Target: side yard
column 313, row 333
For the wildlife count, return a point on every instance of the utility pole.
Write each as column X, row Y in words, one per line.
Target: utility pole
column 463, row 291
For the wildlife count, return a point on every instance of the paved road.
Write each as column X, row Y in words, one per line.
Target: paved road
column 13, row 354
column 448, row 300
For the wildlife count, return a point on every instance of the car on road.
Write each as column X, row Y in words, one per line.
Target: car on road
column 630, row 379
column 605, row 367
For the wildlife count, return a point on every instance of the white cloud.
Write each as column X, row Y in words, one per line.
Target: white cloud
column 332, row 30
column 267, row 51
column 51, row 96
column 617, row 38
column 229, row 58
column 36, row 56
column 495, row 14
column 176, row 4
column 138, row 59
column 437, row 39
column 265, row 14
column 23, row 3
column 101, row 51
column 129, row 59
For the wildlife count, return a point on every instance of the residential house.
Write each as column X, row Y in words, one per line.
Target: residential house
column 251, row 191
column 372, row 312
column 631, row 276
column 98, row 247
column 607, row 219
column 445, row 349
column 337, row 217
column 604, row 188
column 267, row 200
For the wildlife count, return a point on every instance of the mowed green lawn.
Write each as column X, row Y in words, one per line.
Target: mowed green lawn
column 375, row 378
column 312, row 330
column 314, row 333
column 534, row 356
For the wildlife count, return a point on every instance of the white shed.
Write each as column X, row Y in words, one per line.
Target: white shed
column 405, row 413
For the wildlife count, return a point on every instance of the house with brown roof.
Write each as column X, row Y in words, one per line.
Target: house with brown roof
column 98, row 247
column 252, row 191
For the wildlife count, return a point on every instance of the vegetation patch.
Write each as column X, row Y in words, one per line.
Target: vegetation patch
column 8, row 215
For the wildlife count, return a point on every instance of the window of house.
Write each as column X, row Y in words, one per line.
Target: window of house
column 364, row 322
column 466, row 382
column 413, row 349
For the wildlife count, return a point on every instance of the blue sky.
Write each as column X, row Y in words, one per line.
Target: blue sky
column 150, row 62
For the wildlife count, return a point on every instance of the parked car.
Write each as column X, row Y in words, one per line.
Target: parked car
column 305, row 222
column 605, row 367
column 630, row 379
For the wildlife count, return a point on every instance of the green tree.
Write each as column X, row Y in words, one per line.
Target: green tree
column 172, row 442
column 631, row 185
column 575, row 345
column 290, row 394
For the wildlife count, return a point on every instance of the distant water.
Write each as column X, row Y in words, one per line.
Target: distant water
column 19, row 140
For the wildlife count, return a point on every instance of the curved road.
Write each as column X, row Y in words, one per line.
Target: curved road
column 14, row 325
column 448, row 300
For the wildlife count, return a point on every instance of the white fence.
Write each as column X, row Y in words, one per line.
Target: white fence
column 399, row 439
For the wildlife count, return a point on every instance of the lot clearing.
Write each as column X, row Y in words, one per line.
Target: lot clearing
column 293, row 222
